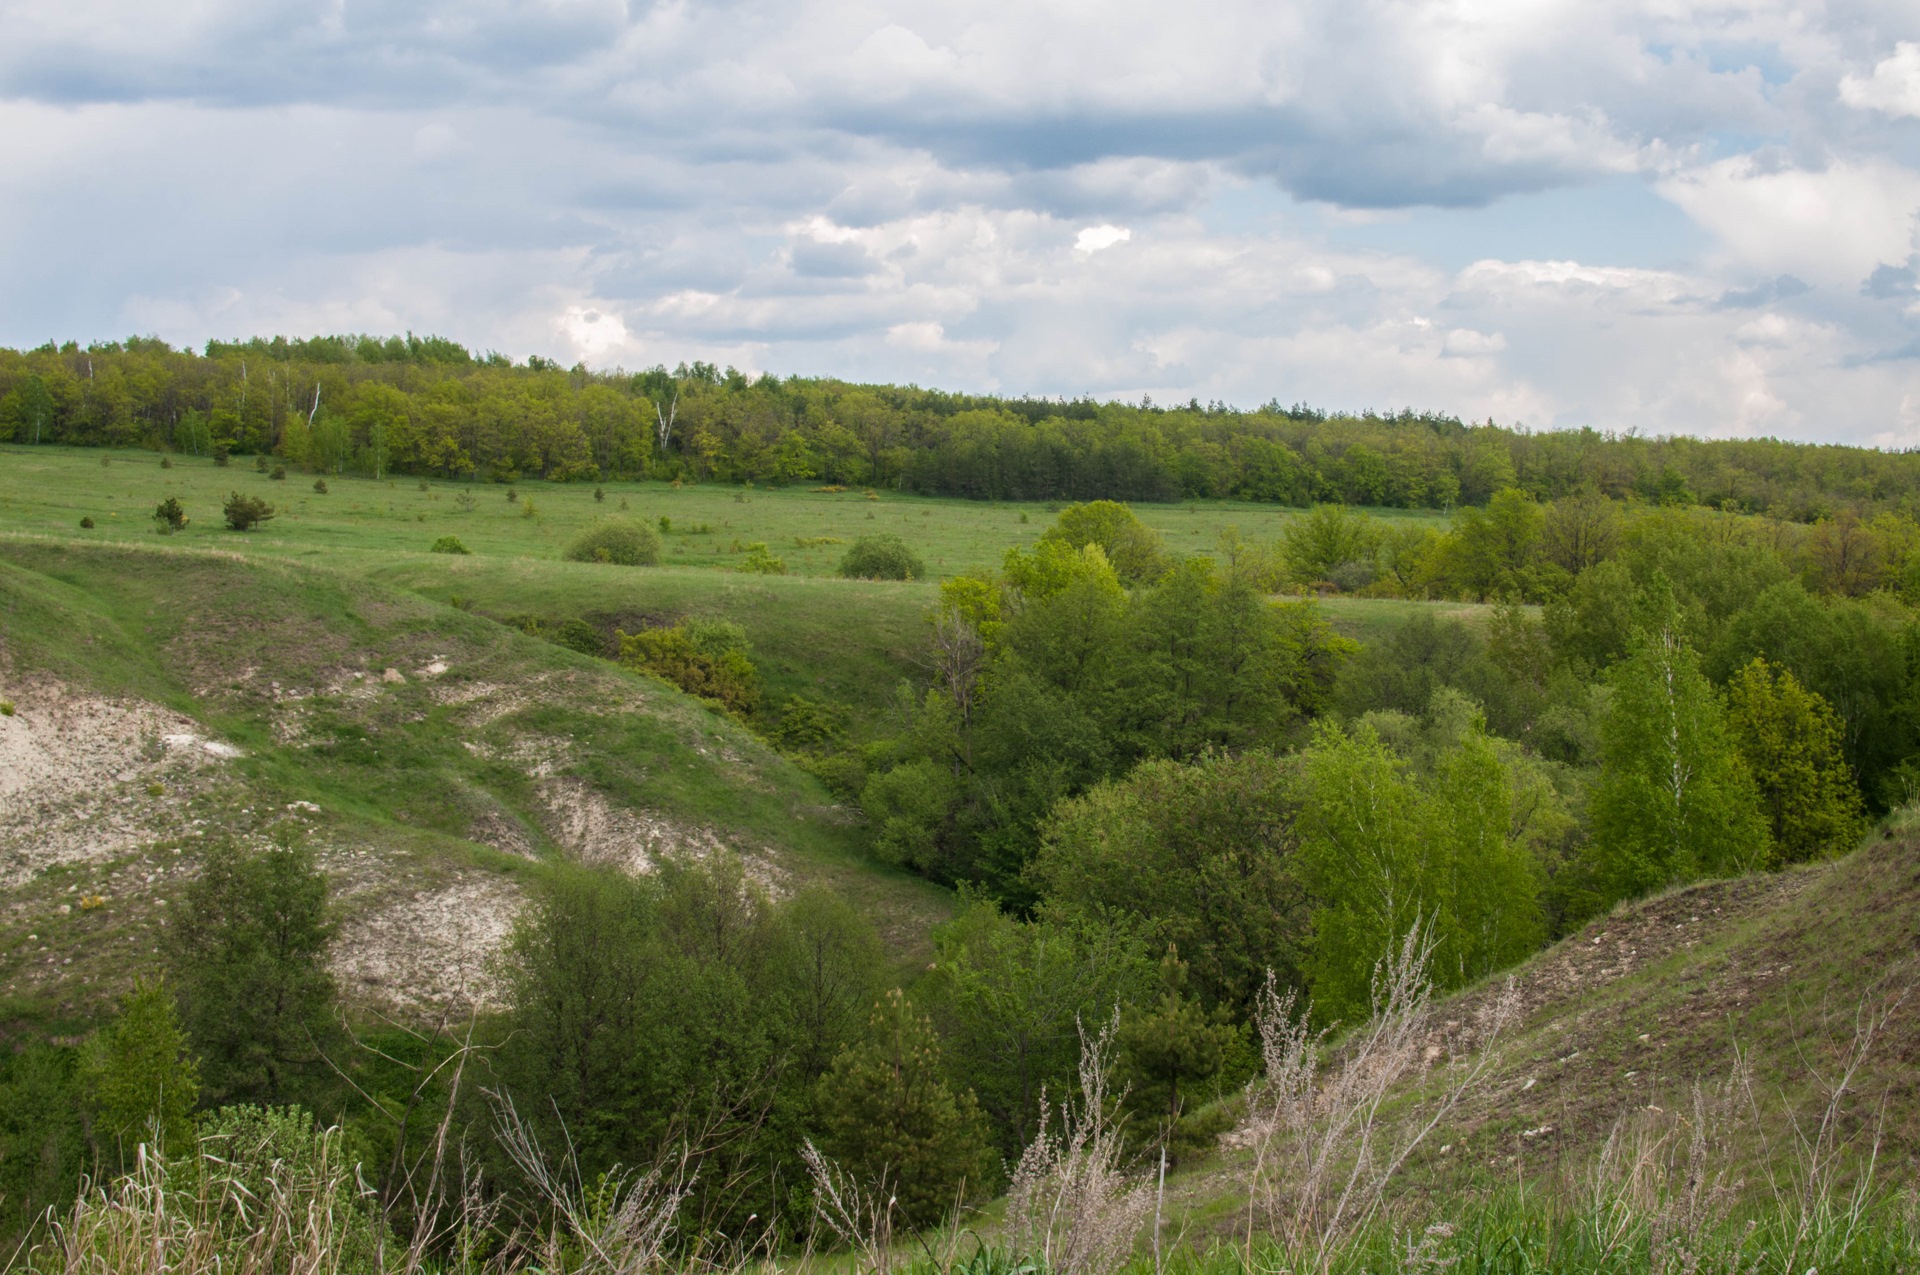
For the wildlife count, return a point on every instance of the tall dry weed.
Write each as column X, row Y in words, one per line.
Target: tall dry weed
column 1325, row 1137
column 1073, row 1207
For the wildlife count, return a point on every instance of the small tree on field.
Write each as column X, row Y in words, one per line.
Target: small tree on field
column 247, row 954
column 244, row 513
column 137, row 1079
column 890, row 1120
column 170, row 515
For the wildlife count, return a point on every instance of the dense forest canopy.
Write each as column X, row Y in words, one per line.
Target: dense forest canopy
column 427, row 405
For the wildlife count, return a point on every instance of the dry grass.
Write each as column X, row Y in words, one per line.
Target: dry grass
column 1327, row 1142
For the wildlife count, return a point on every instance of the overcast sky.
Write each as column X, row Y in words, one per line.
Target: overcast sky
column 1626, row 213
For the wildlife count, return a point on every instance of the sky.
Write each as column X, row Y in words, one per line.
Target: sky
column 1657, row 215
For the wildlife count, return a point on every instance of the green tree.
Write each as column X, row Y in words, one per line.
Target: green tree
column 170, row 515
column 137, row 1079
column 1319, row 545
column 1675, row 800
column 43, row 1142
column 1792, row 742
column 1362, row 829
column 1489, row 910
column 244, row 513
column 1495, row 546
column 1131, row 546
column 1169, row 1050
column 248, row 957
column 1197, row 854
column 889, row 1117
column 1010, row 996
column 1386, row 845
column 827, row 971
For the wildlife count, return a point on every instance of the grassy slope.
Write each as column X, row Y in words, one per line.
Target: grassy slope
column 1620, row 1020
column 263, row 655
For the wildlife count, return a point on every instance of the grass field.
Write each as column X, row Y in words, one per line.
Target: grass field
column 813, row 633
column 48, row 490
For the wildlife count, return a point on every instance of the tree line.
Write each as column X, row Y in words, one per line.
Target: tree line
column 428, row 406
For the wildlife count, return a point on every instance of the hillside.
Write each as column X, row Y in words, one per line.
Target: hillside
column 161, row 694
column 1620, row 1020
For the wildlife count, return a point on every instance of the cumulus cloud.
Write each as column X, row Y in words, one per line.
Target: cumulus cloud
column 1000, row 196
column 1894, row 86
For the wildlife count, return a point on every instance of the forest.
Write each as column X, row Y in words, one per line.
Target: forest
column 1198, row 841
column 429, row 406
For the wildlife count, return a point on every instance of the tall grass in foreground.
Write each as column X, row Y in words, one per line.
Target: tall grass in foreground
column 1726, row 1184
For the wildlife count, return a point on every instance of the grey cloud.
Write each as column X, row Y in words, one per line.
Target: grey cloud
column 1783, row 288
column 816, row 260
column 1888, row 282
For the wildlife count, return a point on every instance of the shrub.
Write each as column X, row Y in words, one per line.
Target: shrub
column 220, row 455
column 86, row 524
column 279, row 474
column 599, row 496
column 166, row 462
column 882, row 557
column 170, row 515
column 320, row 486
column 759, row 561
column 620, row 541
column 806, row 723
column 244, row 513
column 449, row 544
column 705, row 658
column 578, row 635
column 423, row 486
column 6, row 708
column 260, row 463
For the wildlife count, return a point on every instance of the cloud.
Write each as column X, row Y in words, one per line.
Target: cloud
column 1894, row 86
column 991, row 195
column 1095, row 238
column 1833, row 224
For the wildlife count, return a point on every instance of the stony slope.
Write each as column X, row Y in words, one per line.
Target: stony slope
column 436, row 758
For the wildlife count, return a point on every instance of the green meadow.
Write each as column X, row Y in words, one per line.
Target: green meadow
column 48, row 490
column 814, row 634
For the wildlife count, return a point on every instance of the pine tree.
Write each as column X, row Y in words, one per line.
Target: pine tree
column 1168, row 1050
column 1792, row 741
column 889, row 1118
column 137, row 1079
column 248, row 953
column 1675, row 800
